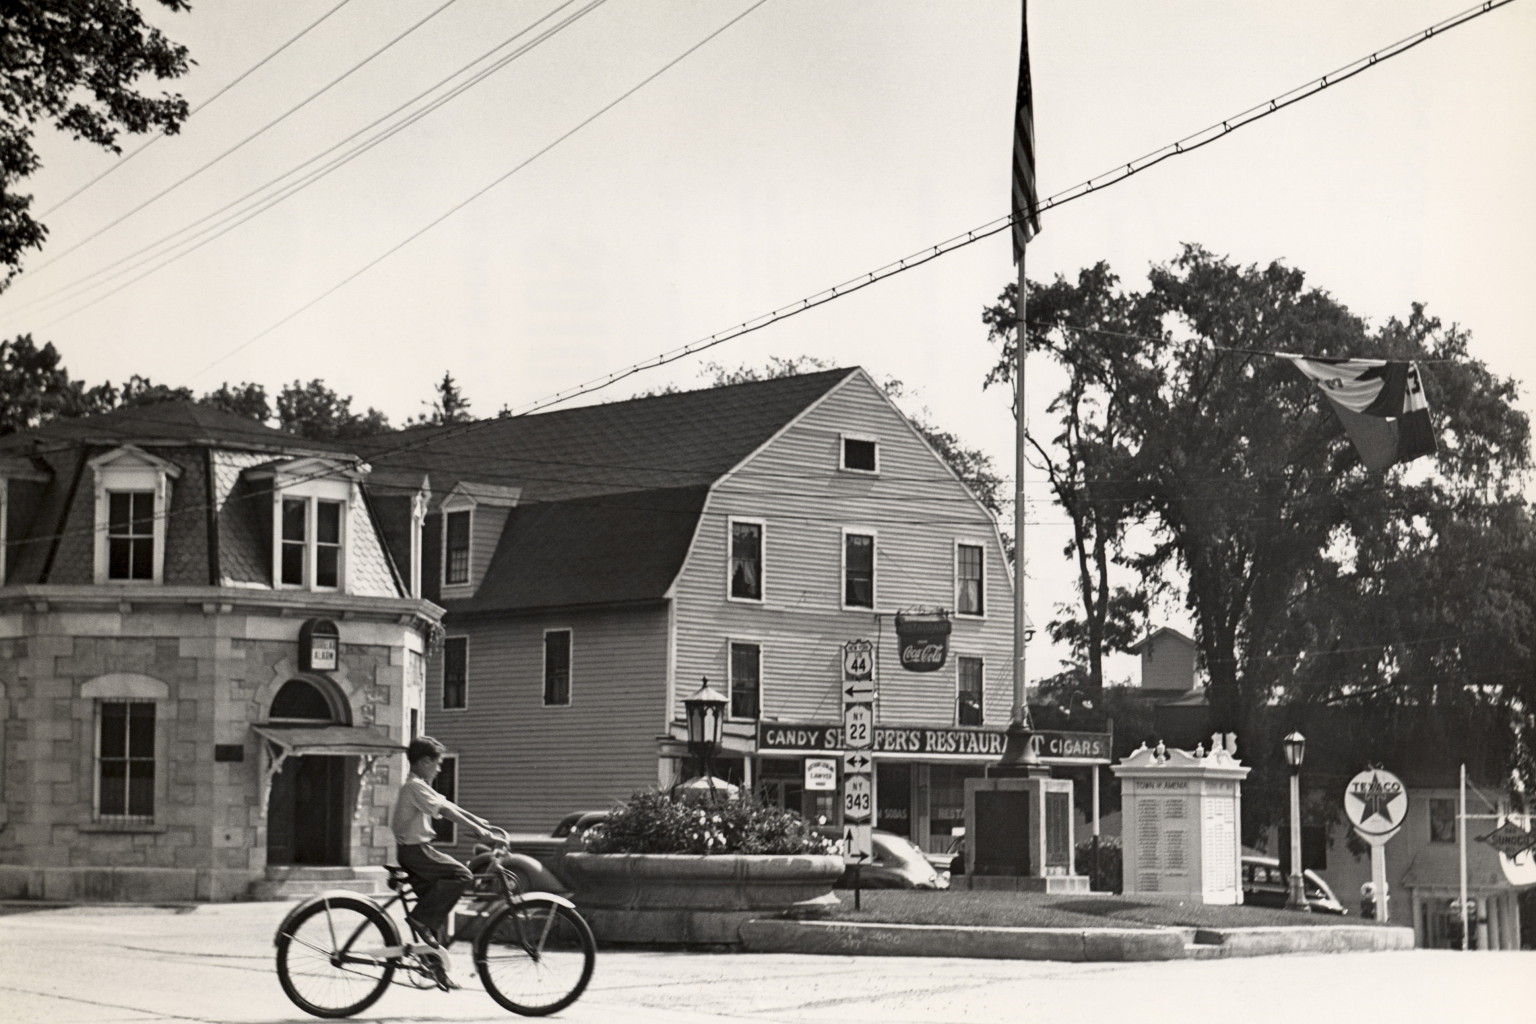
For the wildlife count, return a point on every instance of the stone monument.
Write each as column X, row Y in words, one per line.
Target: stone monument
column 1182, row 821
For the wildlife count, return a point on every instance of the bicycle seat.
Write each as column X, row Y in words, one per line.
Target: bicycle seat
column 398, row 876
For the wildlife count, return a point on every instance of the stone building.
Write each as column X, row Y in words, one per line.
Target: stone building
column 208, row 657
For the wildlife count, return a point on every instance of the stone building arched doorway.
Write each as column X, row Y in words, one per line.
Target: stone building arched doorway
column 309, row 809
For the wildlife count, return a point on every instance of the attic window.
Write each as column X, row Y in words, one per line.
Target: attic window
column 133, row 497
column 860, row 454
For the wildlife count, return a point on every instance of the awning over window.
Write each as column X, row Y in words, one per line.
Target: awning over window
column 360, row 740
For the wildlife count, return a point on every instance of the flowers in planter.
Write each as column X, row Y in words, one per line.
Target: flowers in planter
column 656, row 822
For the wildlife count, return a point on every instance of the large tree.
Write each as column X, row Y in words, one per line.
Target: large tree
column 77, row 65
column 315, row 411
column 1310, row 578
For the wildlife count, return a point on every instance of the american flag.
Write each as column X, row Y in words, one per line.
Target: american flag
column 1026, row 213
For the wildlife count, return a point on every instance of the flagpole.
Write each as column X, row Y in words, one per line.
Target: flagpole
column 1461, row 837
column 1020, row 561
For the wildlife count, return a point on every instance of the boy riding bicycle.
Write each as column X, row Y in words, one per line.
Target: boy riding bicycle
column 440, row 879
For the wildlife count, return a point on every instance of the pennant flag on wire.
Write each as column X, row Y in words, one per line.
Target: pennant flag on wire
column 1380, row 402
column 1026, row 203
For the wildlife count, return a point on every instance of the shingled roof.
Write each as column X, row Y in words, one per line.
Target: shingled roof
column 610, row 494
column 686, row 439
column 180, row 423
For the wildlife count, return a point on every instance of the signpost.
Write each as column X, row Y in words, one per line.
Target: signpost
column 858, row 850
column 1376, row 802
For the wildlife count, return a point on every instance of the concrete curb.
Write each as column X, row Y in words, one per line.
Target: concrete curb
column 1232, row 942
column 1068, row 944
column 1074, row 944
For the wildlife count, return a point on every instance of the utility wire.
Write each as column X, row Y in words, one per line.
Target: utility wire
column 482, row 191
column 201, row 106
column 226, row 224
column 257, row 133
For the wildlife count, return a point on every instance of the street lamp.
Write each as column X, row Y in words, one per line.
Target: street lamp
column 705, row 711
column 1295, row 745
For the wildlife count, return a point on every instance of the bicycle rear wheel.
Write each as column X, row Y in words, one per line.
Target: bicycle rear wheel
column 330, row 957
column 535, row 957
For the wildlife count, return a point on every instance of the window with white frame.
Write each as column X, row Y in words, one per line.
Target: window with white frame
column 133, row 499
column 557, row 667
column 746, row 560
column 968, row 707
column 311, row 506
column 447, row 783
column 456, row 525
column 125, row 760
column 861, row 454
column 455, row 673
column 311, row 543
column 746, row 680
column 970, row 580
column 858, row 570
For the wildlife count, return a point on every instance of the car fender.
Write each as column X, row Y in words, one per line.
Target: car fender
column 322, row 897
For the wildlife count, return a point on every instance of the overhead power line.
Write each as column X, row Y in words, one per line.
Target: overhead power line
column 224, row 224
column 249, row 138
column 201, row 106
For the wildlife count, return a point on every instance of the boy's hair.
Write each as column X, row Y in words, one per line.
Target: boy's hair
column 424, row 746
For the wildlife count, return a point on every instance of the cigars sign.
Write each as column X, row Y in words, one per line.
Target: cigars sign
column 1053, row 747
column 922, row 640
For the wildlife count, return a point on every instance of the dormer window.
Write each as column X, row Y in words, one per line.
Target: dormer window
column 311, row 543
column 861, row 454
column 312, row 502
column 473, row 513
column 456, row 547
column 133, row 499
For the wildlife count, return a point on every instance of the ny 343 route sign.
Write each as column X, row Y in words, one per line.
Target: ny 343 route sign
column 858, row 798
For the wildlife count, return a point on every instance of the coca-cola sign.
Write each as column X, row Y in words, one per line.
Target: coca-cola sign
column 922, row 640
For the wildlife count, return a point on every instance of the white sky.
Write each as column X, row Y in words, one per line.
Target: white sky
column 810, row 143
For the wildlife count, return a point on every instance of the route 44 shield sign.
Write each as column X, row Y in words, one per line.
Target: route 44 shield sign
column 858, row 661
column 858, row 798
column 1376, row 802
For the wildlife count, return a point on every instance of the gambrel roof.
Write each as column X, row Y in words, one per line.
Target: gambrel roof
column 610, row 494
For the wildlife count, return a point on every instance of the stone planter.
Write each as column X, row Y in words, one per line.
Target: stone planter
column 690, row 899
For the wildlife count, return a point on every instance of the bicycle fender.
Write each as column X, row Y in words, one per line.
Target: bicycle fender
column 319, row 897
column 524, row 897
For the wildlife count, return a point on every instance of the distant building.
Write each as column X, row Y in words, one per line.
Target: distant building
column 209, row 659
column 1167, row 661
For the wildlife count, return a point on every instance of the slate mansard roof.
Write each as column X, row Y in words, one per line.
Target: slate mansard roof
column 218, row 530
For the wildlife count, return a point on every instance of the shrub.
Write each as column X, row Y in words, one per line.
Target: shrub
column 656, row 822
column 1108, row 877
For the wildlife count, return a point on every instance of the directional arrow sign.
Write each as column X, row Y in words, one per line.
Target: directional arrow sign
column 858, row 844
column 858, row 726
column 861, row 691
column 856, row 762
column 858, row 798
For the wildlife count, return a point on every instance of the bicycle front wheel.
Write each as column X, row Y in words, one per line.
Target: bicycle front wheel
column 535, row 957
column 332, row 957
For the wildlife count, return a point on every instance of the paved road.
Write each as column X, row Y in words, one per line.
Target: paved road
column 121, row 965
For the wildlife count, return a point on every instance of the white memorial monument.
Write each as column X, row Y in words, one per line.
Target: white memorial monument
column 1182, row 822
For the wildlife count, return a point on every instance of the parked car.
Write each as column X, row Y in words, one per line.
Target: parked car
column 1265, row 886
column 897, row 864
column 578, row 822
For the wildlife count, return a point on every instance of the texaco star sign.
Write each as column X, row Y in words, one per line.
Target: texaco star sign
column 1376, row 802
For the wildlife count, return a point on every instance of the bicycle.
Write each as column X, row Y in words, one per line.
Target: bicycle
column 338, row 951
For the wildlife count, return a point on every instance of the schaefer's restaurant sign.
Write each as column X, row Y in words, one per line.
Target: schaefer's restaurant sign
column 1055, row 747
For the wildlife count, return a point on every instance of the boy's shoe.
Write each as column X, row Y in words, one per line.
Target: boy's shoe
column 436, row 961
column 427, row 935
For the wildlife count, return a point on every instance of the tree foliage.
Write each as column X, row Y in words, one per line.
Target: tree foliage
column 315, row 411
column 1310, row 579
column 76, row 65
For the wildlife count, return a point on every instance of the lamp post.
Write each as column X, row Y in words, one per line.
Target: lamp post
column 705, row 711
column 1295, row 745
